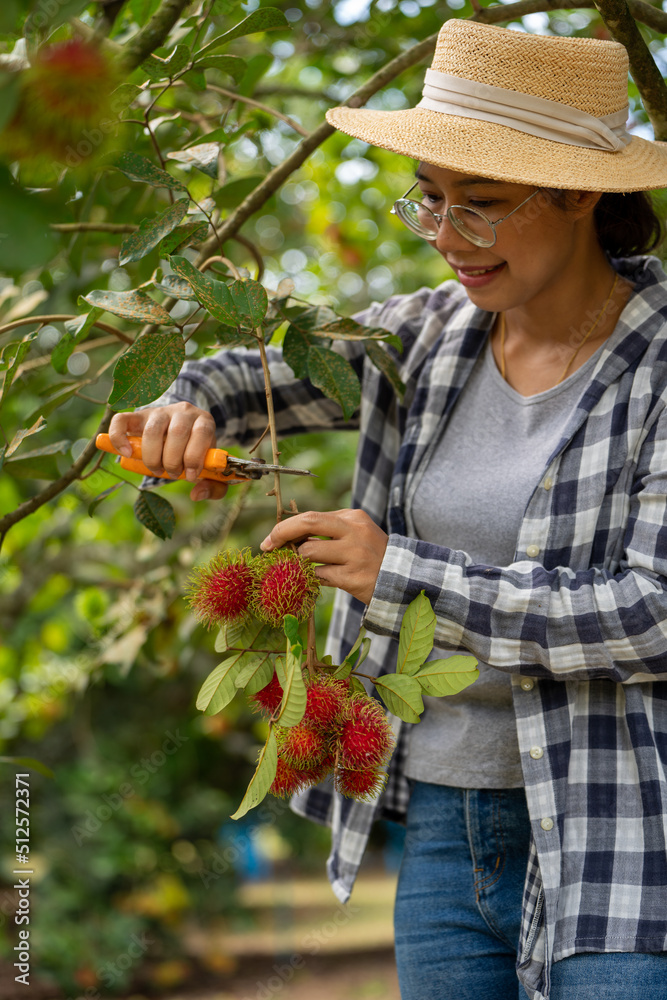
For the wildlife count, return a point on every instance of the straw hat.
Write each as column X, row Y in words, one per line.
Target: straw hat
column 483, row 77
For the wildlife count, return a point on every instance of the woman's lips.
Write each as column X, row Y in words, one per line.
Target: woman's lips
column 476, row 277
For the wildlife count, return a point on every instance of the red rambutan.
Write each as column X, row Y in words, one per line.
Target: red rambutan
column 359, row 784
column 287, row 780
column 366, row 739
column 286, row 585
column 313, row 775
column 64, row 103
column 269, row 697
column 220, row 591
column 326, row 699
column 301, row 746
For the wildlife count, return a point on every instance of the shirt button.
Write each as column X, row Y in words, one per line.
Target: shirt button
column 536, row 753
column 548, row 483
column 532, row 551
column 547, row 823
column 527, row 684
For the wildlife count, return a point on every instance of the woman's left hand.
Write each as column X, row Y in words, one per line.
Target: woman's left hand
column 351, row 551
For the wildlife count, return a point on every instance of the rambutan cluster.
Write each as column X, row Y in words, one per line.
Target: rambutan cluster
column 343, row 733
column 64, row 103
column 234, row 586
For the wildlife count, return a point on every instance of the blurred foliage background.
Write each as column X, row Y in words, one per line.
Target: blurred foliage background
column 100, row 661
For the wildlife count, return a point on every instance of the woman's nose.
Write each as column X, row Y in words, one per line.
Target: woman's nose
column 449, row 239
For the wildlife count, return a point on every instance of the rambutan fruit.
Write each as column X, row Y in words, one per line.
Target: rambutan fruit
column 365, row 740
column 64, row 104
column 326, row 699
column 269, row 697
column 301, row 746
column 220, row 591
column 313, row 775
column 286, row 585
column 287, row 780
column 359, row 784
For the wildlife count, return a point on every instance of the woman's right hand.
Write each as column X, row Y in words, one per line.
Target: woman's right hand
column 174, row 438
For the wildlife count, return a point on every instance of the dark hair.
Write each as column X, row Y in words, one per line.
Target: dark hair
column 626, row 223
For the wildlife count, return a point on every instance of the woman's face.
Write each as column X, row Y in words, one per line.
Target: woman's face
column 535, row 249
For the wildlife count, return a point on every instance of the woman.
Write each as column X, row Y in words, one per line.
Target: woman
column 522, row 483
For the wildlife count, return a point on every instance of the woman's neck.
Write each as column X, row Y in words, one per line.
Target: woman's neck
column 547, row 340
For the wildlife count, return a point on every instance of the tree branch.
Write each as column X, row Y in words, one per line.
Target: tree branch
column 653, row 17
column 34, row 503
column 282, row 171
column 62, row 318
column 152, row 35
column 94, row 227
column 257, row 104
column 645, row 73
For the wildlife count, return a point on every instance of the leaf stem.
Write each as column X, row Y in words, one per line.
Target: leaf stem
column 272, row 424
column 311, row 647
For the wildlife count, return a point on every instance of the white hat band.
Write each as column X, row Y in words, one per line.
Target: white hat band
column 453, row 95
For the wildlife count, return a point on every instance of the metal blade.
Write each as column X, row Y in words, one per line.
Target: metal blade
column 255, row 469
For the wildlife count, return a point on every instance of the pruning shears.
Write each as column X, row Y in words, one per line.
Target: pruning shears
column 218, row 464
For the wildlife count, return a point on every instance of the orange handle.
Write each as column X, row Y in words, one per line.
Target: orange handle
column 215, row 462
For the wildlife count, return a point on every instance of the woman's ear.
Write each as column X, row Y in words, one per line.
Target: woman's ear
column 583, row 202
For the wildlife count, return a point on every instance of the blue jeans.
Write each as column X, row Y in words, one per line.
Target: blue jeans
column 458, row 907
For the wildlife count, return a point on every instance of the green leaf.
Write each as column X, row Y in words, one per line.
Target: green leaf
column 101, row 497
column 182, row 237
column 415, row 640
column 350, row 660
column 262, row 779
column 157, row 68
column 155, row 513
column 335, row 376
column 203, row 156
column 196, row 79
column 57, row 399
column 296, row 345
column 250, row 301
column 225, row 135
column 151, row 232
column 256, row 674
column 45, row 18
column 38, row 464
column 146, row 369
column 293, row 705
column 265, row 19
column 138, row 168
column 176, row 287
column 442, row 677
column 123, row 97
column 257, row 66
column 232, row 194
column 134, row 305
column 291, row 626
column 76, row 330
column 9, row 94
column 249, row 633
column 219, row 688
column 22, row 434
column 402, row 695
column 346, row 328
column 386, row 364
column 213, row 295
column 9, row 364
column 232, row 65
column 26, row 239
column 30, row 763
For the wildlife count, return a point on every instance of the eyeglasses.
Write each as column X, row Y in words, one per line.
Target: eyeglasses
column 470, row 223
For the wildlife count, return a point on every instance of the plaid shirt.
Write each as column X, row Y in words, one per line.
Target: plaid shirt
column 579, row 619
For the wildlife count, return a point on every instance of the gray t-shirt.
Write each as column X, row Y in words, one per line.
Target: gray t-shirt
column 471, row 496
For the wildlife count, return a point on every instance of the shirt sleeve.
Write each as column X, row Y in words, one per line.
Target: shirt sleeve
column 560, row 623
